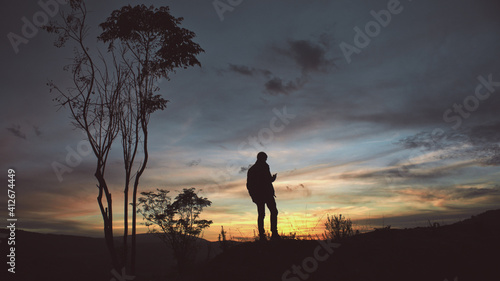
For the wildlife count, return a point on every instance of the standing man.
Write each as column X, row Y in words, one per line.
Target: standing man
column 260, row 187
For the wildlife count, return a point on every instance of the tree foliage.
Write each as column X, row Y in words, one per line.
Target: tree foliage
column 154, row 37
column 176, row 222
column 152, row 45
column 115, row 93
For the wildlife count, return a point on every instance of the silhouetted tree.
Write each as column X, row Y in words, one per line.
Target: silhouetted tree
column 152, row 45
column 178, row 221
column 93, row 101
column 117, row 94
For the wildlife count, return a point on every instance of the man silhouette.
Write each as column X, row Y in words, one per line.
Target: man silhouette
column 260, row 187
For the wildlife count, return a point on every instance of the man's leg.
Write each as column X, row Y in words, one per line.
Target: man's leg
column 261, row 210
column 271, row 204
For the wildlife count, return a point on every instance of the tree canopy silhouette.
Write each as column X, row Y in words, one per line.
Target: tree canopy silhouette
column 154, row 37
column 115, row 93
column 152, row 45
column 178, row 220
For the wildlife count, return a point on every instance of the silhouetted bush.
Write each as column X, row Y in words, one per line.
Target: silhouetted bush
column 433, row 225
column 337, row 228
column 178, row 221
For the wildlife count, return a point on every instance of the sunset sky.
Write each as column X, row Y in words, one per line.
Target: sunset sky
column 397, row 129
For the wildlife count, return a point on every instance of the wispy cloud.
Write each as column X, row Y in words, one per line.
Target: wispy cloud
column 361, row 141
column 37, row 131
column 277, row 86
column 481, row 143
column 249, row 71
column 311, row 56
column 16, row 131
column 299, row 190
column 194, row 163
column 308, row 56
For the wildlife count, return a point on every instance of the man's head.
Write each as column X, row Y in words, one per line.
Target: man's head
column 261, row 156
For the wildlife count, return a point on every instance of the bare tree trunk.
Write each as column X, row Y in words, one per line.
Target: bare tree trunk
column 134, row 216
column 134, row 199
column 125, row 224
column 107, row 216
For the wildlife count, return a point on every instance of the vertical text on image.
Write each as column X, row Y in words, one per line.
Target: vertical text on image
column 264, row 136
column 11, row 220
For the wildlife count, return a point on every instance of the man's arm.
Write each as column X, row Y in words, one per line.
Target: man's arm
column 273, row 177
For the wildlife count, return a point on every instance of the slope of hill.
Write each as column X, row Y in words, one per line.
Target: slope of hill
column 467, row 250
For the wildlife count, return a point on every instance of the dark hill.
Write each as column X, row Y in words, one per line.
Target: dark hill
column 467, row 250
column 55, row 257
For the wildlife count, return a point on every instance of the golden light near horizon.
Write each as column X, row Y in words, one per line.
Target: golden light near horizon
column 354, row 138
column 305, row 204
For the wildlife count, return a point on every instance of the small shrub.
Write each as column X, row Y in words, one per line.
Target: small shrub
column 337, row 228
column 290, row 236
column 385, row 228
column 433, row 225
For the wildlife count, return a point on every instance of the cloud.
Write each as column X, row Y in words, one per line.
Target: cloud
column 250, row 71
column 244, row 169
column 420, row 198
column 193, row 163
column 61, row 226
column 424, row 171
column 299, row 189
column 16, row 131
column 485, row 133
column 401, row 171
column 473, row 192
column 37, row 131
column 310, row 56
column 276, row 86
column 444, row 195
column 480, row 143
